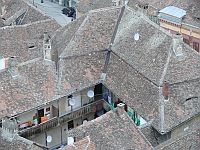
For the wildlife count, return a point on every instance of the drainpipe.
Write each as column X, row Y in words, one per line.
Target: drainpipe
column 45, row 138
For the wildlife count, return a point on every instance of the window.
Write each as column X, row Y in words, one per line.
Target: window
column 196, row 46
column 31, row 45
column 186, row 41
column 70, row 125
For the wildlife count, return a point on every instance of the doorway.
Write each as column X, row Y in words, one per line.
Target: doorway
column 98, row 92
column 40, row 114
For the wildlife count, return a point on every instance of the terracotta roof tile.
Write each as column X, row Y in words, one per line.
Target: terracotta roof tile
column 85, row 6
column 35, row 85
column 26, row 35
column 94, row 34
column 17, row 143
column 113, row 131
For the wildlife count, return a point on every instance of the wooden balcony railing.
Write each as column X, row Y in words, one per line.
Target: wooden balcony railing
column 39, row 128
column 78, row 113
column 59, row 120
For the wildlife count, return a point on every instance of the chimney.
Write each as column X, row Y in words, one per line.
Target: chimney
column 13, row 68
column 47, row 47
column 165, row 90
column 120, row 108
column 9, row 127
column 177, row 45
column 46, row 37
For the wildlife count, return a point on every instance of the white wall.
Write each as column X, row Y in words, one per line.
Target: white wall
column 64, row 132
column 55, row 133
column 85, row 99
column 27, row 116
column 77, row 97
column 64, row 107
column 39, row 138
column 63, row 104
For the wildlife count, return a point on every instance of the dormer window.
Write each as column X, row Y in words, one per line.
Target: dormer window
column 31, row 45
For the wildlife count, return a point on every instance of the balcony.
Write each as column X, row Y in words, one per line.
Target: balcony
column 39, row 128
column 80, row 112
column 56, row 121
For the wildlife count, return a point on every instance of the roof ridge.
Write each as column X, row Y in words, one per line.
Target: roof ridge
column 25, row 25
column 82, row 24
column 60, row 29
column 145, row 17
column 29, row 62
column 190, row 80
column 86, row 54
column 35, row 8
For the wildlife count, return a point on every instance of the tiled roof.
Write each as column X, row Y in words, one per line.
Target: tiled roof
column 149, row 54
column 34, row 86
column 111, row 131
column 187, row 68
column 85, row 6
column 79, row 72
column 94, row 34
column 17, row 143
column 190, row 6
column 137, row 69
column 15, row 40
column 132, row 87
column 63, row 35
column 188, row 141
column 12, row 7
column 36, row 83
column 83, row 144
column 183, row 104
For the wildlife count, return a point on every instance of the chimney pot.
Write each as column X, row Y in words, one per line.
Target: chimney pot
column 177, row 44
column 120, row 108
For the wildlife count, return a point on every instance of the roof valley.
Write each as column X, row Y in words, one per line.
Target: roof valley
column 112, row 39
